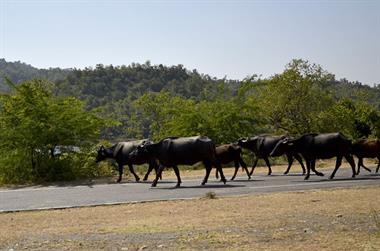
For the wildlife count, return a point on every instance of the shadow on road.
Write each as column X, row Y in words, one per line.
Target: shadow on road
column 251, row 180
column 200, row 186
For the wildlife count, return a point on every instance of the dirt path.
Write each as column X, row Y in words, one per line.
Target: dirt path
column 335, row 219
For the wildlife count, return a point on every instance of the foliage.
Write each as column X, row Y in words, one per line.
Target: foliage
column 293, row 99
column 222, row 120
column 33, row 122
column 354, row 119
column 159, row 101
column 18, row 72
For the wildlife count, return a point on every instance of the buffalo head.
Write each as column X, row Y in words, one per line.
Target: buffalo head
column 282, row 147
column 102, row 154
column 242, row 141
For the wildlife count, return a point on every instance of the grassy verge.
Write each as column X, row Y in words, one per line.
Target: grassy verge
column 337, row 219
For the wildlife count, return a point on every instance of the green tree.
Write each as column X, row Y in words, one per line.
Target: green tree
column 33, row 122
column 293, row 99
column 355, row 119
column 223, row 120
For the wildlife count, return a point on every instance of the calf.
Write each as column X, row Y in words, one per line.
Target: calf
column 262, row 146
column 228, row 153
column 174, row 151
column 366, row 148
column 120, row 152
column 318, row 146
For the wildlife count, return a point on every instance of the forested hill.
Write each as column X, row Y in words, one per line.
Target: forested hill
column 105, row 86
column 102, row 84
column 18, row 71
column 122, row 92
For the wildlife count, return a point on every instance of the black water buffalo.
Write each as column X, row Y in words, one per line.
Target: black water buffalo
column 174, row 151
column 120, row 152
column 262, row 146
column 366, row 148
column 318, row 146
column 228, row 153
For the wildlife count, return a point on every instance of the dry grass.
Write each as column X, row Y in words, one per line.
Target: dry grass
column 339, row 219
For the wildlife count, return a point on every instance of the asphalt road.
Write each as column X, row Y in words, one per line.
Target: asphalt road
column 47, row 197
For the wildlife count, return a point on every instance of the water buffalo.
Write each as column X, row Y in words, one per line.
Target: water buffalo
column 318, row 146
column 262, row 146
column 175, row 151
column 366, row 148
column 228, row 153
column 120, row 152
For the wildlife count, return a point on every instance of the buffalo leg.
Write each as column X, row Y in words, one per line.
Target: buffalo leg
column 158, row 175
column 176, row 170
column 121, row 167
column 244, row 166
column 133, row 172
column 359, row 161
column 337, row 165
column 314, row 170
column 290, row 162
column 216, row 173
column 208, row 170
column 219, row 167
column 362, row 164
column 378, row 164
column 308, row 163
column 236, row 169
column 152, row 165
column 254, row 165
column 150, row 168
column 299, row 159
column 351, row 160
column 268, row 165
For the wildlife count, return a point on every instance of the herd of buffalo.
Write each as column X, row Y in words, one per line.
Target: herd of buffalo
column 174, row 151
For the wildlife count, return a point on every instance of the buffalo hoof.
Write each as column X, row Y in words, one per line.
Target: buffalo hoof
column 230, row 179
column 319, row 174
column 118, row 180
column 145, row 179
column 249, row 177
column 154, row 184
column 353, row 176
column 177, row 186
column 307, row 177
column 203, row 183
column 224, row 181
column 286, row 173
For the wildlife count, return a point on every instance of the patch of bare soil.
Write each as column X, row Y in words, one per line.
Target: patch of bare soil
column 338, row 219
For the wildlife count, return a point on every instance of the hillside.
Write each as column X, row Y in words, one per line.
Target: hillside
column 105, row 84
column 114, row 88
column 18, row 71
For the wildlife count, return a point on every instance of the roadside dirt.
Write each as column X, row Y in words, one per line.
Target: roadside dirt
column 337, row 219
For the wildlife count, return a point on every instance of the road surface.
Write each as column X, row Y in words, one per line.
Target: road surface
column 48, row 197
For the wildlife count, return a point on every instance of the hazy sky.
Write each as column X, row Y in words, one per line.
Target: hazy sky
column 219, row 38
